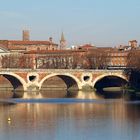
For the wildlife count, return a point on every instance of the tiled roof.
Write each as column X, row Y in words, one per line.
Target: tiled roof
column 21, row 45
column 19, row 42
column 86, row 47
column 16, row 48
column 53, row 51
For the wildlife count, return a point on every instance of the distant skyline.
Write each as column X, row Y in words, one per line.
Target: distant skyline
column 106, row 23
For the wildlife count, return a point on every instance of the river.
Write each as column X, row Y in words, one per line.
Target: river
column 79, row 115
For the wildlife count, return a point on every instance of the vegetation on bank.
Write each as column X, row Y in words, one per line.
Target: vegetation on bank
column 133, row 71
column 94, row 59
column 113, row 89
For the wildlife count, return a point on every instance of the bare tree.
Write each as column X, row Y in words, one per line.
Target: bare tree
column 133, row 59
column 17, row 61
column 98, row 59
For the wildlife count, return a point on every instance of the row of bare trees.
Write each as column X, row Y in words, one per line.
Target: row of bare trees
column 133, row 59
column 94, row 59
column 56, row 62
column 16, row 61
column 72, row 61
column 86, row 60
column 133, row 69
column 98, row 59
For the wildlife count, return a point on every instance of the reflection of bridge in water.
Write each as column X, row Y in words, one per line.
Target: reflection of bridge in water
column 28, row 80
column 62, row 94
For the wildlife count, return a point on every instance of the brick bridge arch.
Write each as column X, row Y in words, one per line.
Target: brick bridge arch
column 63, row 76
column 107, row 75
column 12, row 76
column 80, row 77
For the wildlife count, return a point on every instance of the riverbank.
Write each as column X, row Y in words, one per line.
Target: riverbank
column 113, row 89
column 134, row 91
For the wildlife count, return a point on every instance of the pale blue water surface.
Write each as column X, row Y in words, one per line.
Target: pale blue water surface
column 76, row 116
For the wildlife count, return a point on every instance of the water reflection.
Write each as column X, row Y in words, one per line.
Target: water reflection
column 72, row 94
column 70, row 121
column 75, row 94
column 69, row 94
column 111, row 95
column 6, row 94
column 115, row 120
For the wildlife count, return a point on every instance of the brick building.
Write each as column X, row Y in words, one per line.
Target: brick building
column 86, row 47
column 47, row 54
column 27, row 45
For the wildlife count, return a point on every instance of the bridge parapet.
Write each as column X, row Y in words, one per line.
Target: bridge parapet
column 61, row 70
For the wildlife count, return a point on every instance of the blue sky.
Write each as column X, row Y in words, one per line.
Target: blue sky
column 99, row 22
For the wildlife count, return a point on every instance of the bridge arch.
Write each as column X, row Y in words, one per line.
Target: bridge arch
column 12, row 77
column 121, row 76
column 64, row 77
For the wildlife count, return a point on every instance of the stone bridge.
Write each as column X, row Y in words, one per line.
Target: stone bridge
column 27, row 78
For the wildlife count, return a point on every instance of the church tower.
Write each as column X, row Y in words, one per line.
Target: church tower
column 62, row 42
column 26, row 35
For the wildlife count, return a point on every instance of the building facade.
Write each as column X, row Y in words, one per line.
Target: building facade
column 47, row 54
column 28, row 45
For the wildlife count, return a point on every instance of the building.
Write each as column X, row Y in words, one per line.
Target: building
column 47, row 54
column 133, row 44
column 27, row 45
column 86, row 47
column 117, row 58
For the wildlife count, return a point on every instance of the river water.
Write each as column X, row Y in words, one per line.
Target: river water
column 59, row 115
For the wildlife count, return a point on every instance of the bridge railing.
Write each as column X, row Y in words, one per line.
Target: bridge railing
column 3, row 70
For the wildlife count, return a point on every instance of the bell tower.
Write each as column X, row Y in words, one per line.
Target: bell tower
column 62, row 42
column 26, row 35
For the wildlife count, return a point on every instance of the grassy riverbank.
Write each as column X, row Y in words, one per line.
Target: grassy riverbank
column 135, row 91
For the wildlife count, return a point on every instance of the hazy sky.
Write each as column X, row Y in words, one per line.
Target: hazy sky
column 100, row 22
